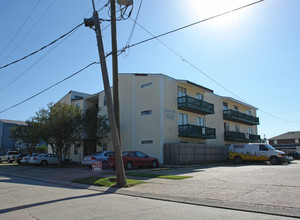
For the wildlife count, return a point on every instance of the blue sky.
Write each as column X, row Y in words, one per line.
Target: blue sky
column 254, row 52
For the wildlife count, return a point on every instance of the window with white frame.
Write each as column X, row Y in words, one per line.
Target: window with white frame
column 200, row 121
column 235, row 108
column 237, row 128
column 248, row 112
column 146, row 85
column 183, row 119
column 199, row 96
column 181, row 91
column 146, row 112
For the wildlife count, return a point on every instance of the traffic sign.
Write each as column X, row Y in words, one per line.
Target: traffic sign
column 97, row 166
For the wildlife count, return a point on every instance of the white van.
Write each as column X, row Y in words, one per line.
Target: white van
column 257, row 152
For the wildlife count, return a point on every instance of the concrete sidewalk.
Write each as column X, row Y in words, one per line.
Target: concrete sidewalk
column 258, row 188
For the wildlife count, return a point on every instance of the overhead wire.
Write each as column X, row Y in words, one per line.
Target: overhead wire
column 133, row 27
column 199, row 70
column 195, row 23
column 12, row 39
column 28, row 32
column 44, row 47
column 74, row 74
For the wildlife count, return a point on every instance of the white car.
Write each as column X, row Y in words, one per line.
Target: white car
column 98, row 156
column 25, row 160
column 45, row 159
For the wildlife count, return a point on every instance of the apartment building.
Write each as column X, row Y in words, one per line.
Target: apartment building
column 156, row 109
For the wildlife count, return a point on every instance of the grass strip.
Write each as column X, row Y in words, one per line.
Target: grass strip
column 107, row 181
column 153, row 175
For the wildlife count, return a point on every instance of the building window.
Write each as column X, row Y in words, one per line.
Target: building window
column 104, row 100
column 226, row 126
column 235, row 108
column 146, row 112
column 237, row 128
column 77, row 105
column 146, row 85
column 183, row 119
column 146, row 141
column 249, row 130
column 275, row 141
column 199, row 96
column 200, row 121
column 181, row 91
column 225, row 106
column 248, row 112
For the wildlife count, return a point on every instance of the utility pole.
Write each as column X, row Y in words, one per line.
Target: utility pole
column 115, row 63
column 120, row 172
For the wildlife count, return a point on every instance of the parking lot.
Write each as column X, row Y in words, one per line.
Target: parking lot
column 259, row 187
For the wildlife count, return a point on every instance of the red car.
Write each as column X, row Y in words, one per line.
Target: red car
column 134, row 159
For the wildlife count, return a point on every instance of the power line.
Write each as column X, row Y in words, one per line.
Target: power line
column 32, row 27
column 74, row 74
column 133, row 27
column 195, row 67
column 42, row 48
column 11, row 40
column 198, row 22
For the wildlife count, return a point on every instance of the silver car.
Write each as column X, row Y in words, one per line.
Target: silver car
column 98, row 156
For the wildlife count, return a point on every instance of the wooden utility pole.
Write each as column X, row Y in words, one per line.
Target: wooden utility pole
column 120, row 171
column 115, row 63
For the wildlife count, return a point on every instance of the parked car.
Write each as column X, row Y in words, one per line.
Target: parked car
column 25, row 160
column 294, row 154
column 257, row 152
column 46, row 159
column 10, row 156
column 134, row 159
column 98, row 156
column 19, row 157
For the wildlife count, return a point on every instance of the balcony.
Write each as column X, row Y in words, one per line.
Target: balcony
column 195, row 131
column 237, row 116
column 191, row 104
column 241, row 137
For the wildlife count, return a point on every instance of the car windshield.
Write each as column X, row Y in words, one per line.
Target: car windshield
column 270, row 147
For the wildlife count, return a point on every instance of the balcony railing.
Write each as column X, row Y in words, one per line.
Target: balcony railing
column 237, row 116
column 241, row 137
column 195, row 105
column 195, row 131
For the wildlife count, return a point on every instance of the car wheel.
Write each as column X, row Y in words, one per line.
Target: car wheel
column 128, row 166
column 154, row 164
column 8, row 160
column 237, row 160
column 273, row 160
column 104, row 165
column 44, row 163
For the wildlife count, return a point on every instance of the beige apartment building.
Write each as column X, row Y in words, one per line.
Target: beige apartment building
column 156, row 109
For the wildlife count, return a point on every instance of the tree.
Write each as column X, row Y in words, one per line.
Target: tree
column 60, row 127
column 28, row 134
column 94, row 128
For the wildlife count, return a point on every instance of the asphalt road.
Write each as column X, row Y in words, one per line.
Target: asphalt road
column 30, row 199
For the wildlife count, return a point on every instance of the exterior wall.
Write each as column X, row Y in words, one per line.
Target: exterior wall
column 141, row 132
column 6, row 142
